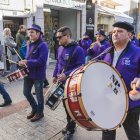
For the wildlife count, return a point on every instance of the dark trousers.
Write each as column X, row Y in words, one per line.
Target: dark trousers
column 38, row 104
column 131, row 127
column 4, row 93
column 70, row 123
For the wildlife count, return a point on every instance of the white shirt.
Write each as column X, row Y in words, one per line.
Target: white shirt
column 116, row 56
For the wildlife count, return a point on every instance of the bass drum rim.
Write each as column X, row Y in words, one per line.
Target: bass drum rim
column 95, row 126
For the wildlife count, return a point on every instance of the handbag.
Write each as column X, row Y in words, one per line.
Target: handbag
column 11, row 50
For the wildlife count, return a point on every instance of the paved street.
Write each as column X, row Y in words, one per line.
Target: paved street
column 15, row 126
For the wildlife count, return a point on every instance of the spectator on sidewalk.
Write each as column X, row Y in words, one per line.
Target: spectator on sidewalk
column 10, row 44
column 36, row 59
column 56, row 43
column 6, row 97
column 20, row 36
column 67, row 46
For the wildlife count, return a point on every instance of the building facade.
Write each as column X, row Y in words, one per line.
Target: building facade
column 105, row 14
column 49, row 14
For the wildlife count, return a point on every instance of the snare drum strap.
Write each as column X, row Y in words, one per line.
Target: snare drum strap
column 35, row 47
column 68, row 61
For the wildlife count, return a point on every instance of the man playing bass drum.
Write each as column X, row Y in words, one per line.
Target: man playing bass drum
column 125, row 57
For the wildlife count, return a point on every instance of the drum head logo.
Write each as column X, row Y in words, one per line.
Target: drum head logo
column 115, row 85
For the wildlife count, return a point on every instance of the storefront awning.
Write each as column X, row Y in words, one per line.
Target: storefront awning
column 119, row 16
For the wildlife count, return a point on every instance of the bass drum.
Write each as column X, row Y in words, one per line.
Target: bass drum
column 96, row 96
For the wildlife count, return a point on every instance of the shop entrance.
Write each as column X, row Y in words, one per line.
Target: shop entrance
column 12, row 23
column 51, row 24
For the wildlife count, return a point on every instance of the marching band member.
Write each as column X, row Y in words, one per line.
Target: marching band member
column 10, row 44
column 63, row 35
column 125, row 57
column 85, row 43
column 99, row 45
column 36, row 58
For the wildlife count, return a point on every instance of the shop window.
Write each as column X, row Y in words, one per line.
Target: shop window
column 13, row 24
column 51, row 24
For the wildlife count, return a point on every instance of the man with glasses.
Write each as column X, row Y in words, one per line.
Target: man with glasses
column 67, row 46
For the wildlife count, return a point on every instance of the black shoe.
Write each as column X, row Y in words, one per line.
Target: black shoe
column 31, row 115
column 6, row 103
column 46, row 84
column 37, row 117
column 65, row 130
column 68, row 136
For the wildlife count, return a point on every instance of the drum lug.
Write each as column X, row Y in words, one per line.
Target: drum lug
column 120, row 125
column 73, row 96
column 80, row 94
column 82, row 71
column 89, row 119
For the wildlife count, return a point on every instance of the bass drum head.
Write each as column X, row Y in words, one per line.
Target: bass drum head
column 104, row 95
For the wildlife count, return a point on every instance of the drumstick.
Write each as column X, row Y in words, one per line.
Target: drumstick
column 11, row 61
column 133, row 91
column 49, row 89
column 17, row 54
column 52, row 85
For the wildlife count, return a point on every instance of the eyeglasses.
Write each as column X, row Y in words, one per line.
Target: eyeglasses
column 59, row 37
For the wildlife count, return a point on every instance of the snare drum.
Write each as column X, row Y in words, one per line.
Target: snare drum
column 96, row 97
column 55, row 96
column 17, row 75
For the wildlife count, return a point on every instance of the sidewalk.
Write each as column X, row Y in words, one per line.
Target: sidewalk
column 16, row 127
